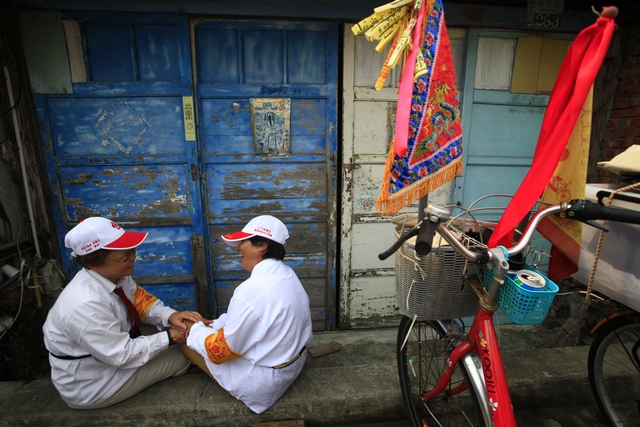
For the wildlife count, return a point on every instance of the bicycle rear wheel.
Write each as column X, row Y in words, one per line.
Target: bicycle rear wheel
column 420, row 363
column 614, row 371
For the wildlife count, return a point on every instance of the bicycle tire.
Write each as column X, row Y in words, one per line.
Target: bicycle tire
column 424, row 355
column 614, row 371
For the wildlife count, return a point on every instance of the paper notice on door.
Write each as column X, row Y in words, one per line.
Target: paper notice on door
column 189, row 118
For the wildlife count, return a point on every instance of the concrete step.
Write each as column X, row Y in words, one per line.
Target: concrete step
column 357, row 384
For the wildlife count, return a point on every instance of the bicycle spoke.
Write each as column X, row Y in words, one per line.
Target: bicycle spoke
column 614, row 371
column 420, row 363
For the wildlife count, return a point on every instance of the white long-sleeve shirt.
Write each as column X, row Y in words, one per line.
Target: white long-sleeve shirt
column 268, row 323
column 89, row 318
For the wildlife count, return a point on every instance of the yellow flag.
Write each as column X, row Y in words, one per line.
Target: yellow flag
column 568, row 182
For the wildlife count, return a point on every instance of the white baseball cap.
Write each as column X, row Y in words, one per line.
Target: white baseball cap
column 96, row 233
column 266, row 226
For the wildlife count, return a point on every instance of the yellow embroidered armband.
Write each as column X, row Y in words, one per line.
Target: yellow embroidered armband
column 218, row 350
column 143, row 301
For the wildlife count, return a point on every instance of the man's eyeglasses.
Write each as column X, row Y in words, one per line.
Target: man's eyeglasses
column 126, row 257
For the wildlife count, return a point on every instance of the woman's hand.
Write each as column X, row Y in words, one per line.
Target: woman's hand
column 179, row 320
column 177, row 336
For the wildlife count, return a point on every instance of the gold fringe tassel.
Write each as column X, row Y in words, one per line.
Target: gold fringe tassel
column 388, row 204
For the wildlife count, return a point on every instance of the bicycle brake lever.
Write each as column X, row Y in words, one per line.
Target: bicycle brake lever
column 386, row 254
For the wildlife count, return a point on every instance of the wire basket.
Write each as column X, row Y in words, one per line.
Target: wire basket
column 522, row 306
column 432, row 287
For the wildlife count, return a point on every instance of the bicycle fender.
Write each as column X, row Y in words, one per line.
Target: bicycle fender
column 609, row 318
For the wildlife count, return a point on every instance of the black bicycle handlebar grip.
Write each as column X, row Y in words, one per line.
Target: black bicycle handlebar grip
column 425, row 237
column 585, row 210
column 386, row 254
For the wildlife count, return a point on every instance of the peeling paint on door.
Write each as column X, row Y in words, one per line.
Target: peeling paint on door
column 117, row 148
column 278, row 161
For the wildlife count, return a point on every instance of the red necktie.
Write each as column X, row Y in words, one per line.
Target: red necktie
column 133, row 313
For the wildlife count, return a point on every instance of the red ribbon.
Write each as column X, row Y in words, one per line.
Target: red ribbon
column 577, row 74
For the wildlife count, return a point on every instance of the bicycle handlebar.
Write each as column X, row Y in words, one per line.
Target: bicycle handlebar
column 579, row 210
column 425, row 236
column 584, row 210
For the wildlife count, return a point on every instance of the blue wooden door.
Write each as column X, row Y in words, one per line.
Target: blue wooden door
column 117, row 146
column 257, row 82
column 508, row 79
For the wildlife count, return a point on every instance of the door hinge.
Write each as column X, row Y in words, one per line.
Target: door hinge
column 349, row 167
column 194, row 174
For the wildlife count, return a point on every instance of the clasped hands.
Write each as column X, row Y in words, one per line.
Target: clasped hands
column 181, row 323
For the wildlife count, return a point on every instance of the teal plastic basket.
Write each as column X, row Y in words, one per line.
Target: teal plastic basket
column 522, row 306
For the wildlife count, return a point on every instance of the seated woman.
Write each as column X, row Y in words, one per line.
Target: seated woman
column 97, row 355
column 257, row 349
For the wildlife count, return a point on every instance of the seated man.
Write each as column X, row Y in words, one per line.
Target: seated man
column 97, row 355
column 257, row 349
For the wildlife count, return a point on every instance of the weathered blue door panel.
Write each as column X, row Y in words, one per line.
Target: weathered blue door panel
column 500, row 133
column 501, row 117
column 165, row 254
column 511, row 130
column 175, row 295
column 134, row 47
column 304, row 63
column 241, row 61
column 233, row 146
column 218, row 56
column 95, row 126
column 126, row 191
column 109, row 47
column 484, row 179
column 117, row 147
column 233, row 116
column 263, row 56
column 157, row 55
column 228, row 129
column 282, row 183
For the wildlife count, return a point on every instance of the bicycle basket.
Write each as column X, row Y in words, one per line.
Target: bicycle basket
column 432, row 287
column 522, row 306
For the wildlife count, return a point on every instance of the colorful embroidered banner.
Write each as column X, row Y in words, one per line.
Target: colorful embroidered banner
column 574, row 81
column 431, row 128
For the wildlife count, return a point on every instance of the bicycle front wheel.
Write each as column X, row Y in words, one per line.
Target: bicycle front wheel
column 420, row 362
column 614, row 371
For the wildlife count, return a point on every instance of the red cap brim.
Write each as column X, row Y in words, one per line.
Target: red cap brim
column 129, row 240
column 234, row 239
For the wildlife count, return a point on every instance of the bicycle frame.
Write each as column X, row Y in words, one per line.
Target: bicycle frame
column 493, row 382
column 485, row 372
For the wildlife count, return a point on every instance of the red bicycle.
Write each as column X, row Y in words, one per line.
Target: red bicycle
column 450, row 376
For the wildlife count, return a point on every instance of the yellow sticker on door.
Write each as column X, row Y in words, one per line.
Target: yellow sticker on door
column 189, row 118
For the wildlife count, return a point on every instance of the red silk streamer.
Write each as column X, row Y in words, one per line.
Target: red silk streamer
column 577, row 73
column 406, row 88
